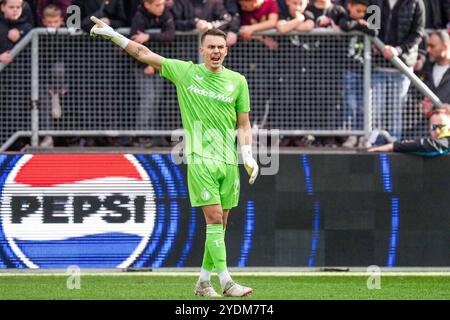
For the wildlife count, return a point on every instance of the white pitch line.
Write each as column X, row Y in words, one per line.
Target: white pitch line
column 237, row 274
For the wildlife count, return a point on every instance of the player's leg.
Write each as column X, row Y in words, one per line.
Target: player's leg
column 208, row 263
column 225, row 214
column 215, row 241
column 211, row 214
column 204, row 192
column 229, row 197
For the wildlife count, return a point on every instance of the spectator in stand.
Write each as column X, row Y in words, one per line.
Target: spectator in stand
column 437, row 16
column 258, row 15
column 437, row 70
column 326, row 14
column 321, row 82
column 52, row 17
column 51, row 110
column 131, row 7
column 14, row 24
column 203, row 15
column 353, row 20
column 111, row 12
column 151, row 14
column 402, row 30
column 294, row 16
column 232, row 8
column 61, row 4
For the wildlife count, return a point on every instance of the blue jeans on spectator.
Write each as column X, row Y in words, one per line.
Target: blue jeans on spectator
column 389, row 93
column 353, row 100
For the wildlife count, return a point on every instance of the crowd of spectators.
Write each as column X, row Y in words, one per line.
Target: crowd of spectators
column 403, row 24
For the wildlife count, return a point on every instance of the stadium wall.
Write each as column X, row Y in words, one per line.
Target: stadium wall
column 132, row 211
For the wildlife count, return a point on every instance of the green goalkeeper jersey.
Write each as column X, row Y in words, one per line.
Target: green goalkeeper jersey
column 209, row 103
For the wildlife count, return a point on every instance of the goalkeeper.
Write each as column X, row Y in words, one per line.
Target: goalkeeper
column 214, row 101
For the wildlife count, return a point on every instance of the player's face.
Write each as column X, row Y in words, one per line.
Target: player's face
column 53, row 22
column 12, row 9
column 214, row 50
column 156, row 7
column 357, row 10
column 436, row 49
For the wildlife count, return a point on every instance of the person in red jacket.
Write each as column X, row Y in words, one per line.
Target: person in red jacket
column 258, row 15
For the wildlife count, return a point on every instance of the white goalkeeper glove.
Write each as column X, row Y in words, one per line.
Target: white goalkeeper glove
column 250, row 164
column 102, row 29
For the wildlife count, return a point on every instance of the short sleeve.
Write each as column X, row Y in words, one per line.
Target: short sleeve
column 174, row 70
column 243, row 100
column 274, row 7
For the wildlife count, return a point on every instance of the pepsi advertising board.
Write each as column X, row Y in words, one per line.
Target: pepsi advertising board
column 133, row 211
column 97, row 211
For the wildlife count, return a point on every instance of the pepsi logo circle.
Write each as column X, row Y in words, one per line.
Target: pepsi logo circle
column 89, row 210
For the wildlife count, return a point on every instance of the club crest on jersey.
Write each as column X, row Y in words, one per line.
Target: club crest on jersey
column 229, row 87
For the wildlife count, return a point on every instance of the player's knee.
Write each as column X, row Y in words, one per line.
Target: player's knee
column 213, row 214
column 216, row 218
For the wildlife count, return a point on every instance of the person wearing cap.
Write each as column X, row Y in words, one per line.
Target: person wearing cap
column 436, row 144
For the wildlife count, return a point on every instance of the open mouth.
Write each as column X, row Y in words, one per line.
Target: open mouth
column 215, row 59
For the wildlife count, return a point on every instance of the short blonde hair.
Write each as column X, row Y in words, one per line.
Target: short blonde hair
column 52, row 11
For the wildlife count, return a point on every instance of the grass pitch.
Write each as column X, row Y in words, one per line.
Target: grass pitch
column 266, row 287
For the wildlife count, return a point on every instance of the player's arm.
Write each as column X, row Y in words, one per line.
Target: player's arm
column 385, row 148
column 136, row 50
column 144, row 54
column 244, row 135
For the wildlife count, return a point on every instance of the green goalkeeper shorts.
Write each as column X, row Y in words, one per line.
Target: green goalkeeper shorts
column 212, row 182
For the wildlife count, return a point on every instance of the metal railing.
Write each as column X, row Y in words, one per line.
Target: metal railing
column 300, row 88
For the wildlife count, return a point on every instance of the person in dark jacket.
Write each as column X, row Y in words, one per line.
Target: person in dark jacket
column 436, row 144
column 294, row 16
column 354, row 20
column 437, row 16
column 402, row 30
column 151, row 14
column 437, row 13
column 232, row 7
column 326, row 14
column 111, row 12
column 436, row 73
column 203, row 15
column 15, row 23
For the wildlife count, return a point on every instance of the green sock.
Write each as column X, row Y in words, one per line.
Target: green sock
column 208, row 263
column 215, row 243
